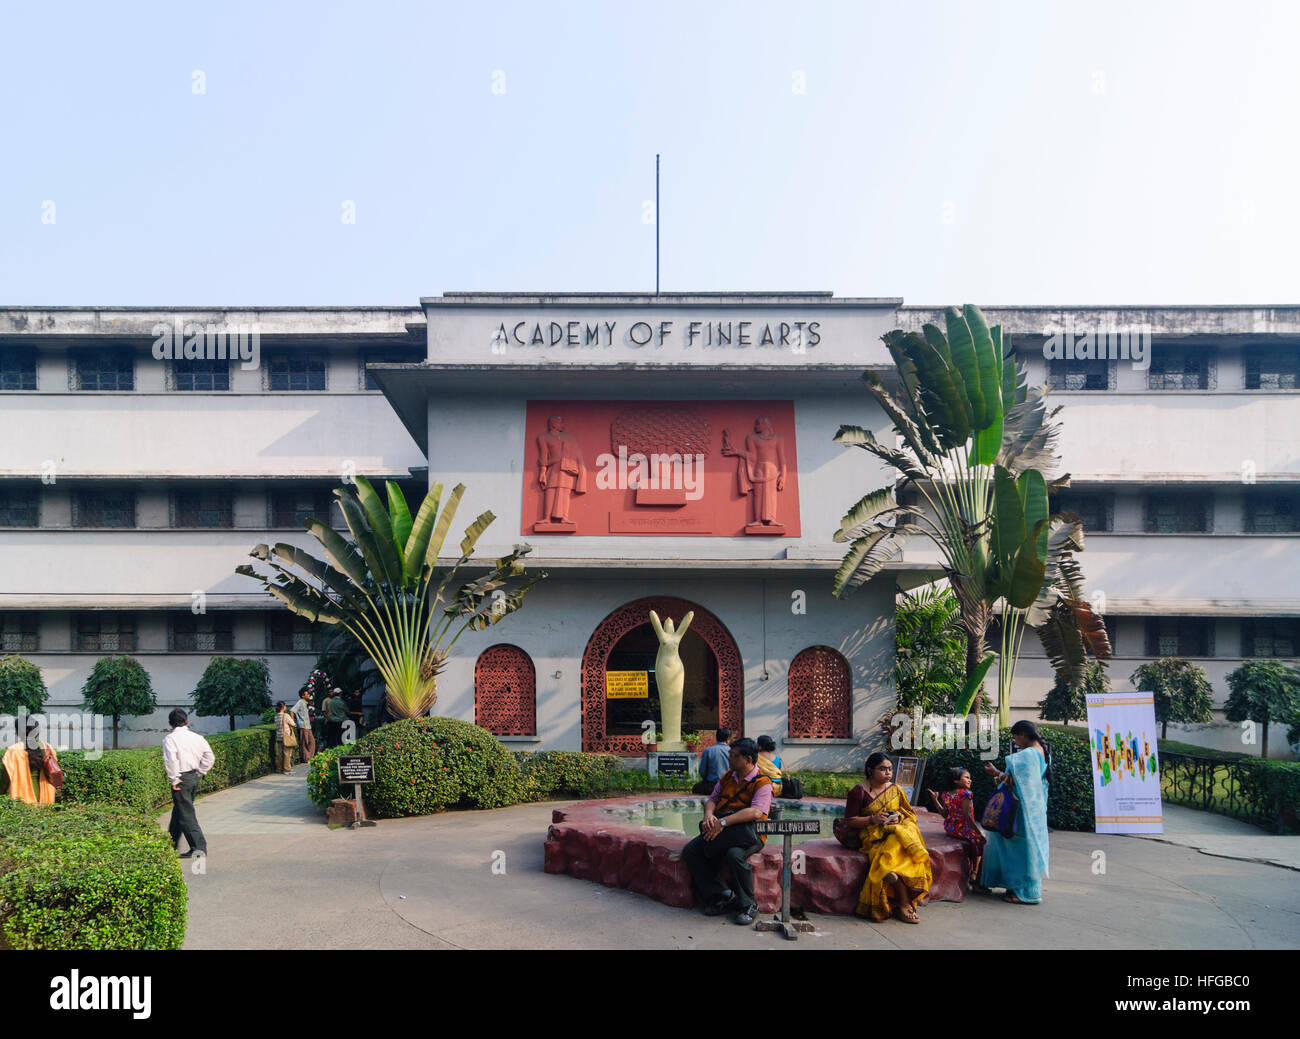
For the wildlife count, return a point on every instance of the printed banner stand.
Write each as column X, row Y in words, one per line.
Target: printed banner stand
column 1125, row 763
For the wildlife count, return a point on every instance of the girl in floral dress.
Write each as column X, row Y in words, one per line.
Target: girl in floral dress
column 958, row 808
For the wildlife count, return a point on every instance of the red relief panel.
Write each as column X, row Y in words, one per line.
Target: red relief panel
column 697, row 468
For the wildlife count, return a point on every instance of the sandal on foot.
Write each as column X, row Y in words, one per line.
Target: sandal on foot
column 1009, row 897
column 907, row 914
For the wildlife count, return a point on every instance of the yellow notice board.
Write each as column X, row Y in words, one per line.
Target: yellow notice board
column 627, row 685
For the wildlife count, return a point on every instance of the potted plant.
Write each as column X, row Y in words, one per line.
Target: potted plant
column 655, row 740
column 692, row 742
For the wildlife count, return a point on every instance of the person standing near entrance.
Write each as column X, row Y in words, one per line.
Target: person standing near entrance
column 187, row 759
column 285, row 740
column 713, row 763
column 742, row 797
column 336, row 713
column 302, row 720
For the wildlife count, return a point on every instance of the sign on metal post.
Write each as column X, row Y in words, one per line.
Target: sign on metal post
column 787, row 828
column 357, row 769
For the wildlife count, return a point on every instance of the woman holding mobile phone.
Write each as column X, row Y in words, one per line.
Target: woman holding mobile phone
column 899, row 876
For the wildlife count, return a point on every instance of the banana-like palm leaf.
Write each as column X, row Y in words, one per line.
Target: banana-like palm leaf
column 863, row 513
column 440, row 528
column 864, row 559
column 381, row 531
column 340, row 552
column 417, row 542
column 964, row 358
column 971, row 687
column 400, row 514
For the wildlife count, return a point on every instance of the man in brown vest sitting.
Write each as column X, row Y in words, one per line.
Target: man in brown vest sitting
column 741, row 797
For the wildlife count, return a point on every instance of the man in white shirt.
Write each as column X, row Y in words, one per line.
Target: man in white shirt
column 187, row 758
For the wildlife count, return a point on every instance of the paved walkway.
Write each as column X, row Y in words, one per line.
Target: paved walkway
column 1225, row 837
column 277, row 877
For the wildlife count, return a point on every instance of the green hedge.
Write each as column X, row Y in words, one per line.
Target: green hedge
column 1263, row 792
column 549, row 775
column 1069, row 800
column 136, row 779
column 77, row 877
column 425, row 765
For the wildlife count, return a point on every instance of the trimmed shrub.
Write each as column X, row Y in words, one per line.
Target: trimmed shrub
column 231, row 686
column 425, row 765
column 136, row 779
column 1069, row 799
column 75, row 877
column 117, row 686
column 552, row 774
column 323, row 775
column 21, row 685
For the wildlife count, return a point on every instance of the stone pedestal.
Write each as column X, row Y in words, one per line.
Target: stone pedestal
column 674, row 758
column 341, row 812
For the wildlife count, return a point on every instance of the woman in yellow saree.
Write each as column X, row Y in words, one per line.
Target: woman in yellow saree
column 898, row 878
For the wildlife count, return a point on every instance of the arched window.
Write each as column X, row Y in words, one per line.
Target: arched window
column 820, row 695
column 505, row 692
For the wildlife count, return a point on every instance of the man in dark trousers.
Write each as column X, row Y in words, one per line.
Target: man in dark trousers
column 740, row 798
column 187, row 758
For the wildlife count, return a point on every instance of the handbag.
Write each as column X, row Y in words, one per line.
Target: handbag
column 1002, row 812
column 791, row 788
column 52, row 771
column 290, row 740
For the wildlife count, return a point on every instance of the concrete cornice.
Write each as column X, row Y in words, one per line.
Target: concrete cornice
column 140, row 321
column 650, row 299
column 1178, row 320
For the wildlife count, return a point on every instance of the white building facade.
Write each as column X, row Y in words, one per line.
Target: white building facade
column 132, row 486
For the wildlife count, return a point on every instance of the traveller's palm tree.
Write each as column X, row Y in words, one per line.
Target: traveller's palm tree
column 971, row 437
column 386, row 588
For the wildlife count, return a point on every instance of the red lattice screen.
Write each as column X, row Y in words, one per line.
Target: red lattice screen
column 820, row 695
column 505, row 692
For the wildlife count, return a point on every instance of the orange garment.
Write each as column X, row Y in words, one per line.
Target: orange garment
column 20, row 776
column 737, row 795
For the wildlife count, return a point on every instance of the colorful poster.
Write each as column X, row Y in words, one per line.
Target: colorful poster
column 1125, row 763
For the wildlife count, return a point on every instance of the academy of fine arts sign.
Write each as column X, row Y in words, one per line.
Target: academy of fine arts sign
column 796, row 336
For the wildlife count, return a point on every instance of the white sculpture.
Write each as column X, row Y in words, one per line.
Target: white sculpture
column 670, row 677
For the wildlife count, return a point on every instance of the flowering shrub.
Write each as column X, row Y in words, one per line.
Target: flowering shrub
column 551, row 774
column 425, row 765
column 323, row 775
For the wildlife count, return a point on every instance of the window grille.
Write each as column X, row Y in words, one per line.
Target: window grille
column 1180, row 637
column 820, row 695
column 1275, row 637
column 17, row 368
column 202, row 633
column 20, row 632
column 200, row 375
column 206, row 508
column 20, row 507
column 102, row 370
column 1080, row 375
column 295, row 371
column 289, row 633
column 103, row 507
column 1178, row 514
column 1273, row 368
column 505, row 692
column 1181, row 368
column 105, row 633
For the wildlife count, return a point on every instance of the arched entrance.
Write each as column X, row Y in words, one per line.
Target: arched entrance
column 619, row 634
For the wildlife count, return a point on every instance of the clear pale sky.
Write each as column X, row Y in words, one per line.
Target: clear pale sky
column 1025, row 153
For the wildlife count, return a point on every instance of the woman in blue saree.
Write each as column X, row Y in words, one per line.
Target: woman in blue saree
column 1019, row 863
